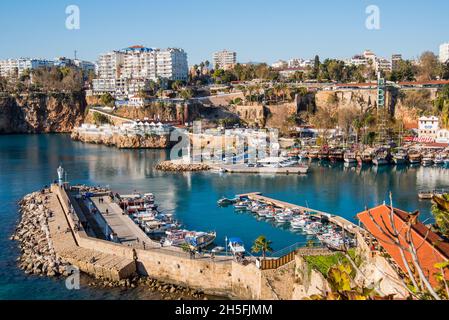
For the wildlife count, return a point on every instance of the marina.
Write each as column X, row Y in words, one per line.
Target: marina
column 192, row 197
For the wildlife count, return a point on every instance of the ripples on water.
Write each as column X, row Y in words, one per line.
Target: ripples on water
column 29, row 162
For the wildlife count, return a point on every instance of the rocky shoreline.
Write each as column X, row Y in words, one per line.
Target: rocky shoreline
column 170, row 166
column 38, row 256
column 124, row 141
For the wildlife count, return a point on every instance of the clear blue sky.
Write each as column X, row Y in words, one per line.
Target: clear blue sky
column 259, row 30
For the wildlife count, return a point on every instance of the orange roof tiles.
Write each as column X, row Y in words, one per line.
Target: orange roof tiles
column 431, row 248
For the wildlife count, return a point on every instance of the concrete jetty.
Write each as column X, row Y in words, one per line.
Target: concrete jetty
column 334, row 219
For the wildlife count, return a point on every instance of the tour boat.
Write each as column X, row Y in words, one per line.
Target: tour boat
column 313, row 154
column 200, row 240
column 414, row 157
column 381, row 158
column 175, row 238
column 400, row 157
column 350, row 157
column 367, row 156
column 323, row 154
column 242, row 206
column 336, row 155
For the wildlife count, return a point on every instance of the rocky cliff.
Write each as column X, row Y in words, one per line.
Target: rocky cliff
column 41, row 112
column 125, row 142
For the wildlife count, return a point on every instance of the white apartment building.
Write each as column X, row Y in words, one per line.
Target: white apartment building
column 224, row 59
column 126, row 72
column 172, row 64
column 444, row 52
column 109, row 65
column 16, row 67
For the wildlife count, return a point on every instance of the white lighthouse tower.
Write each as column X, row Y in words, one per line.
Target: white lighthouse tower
column 60, row 176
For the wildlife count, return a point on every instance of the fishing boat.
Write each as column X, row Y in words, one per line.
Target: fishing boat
column 350, row 157
column 242, row 206
column 425, row 195
column 283, row 218
column 200, row 240
column 298, row 223
column 400, row 157
column 236, row 246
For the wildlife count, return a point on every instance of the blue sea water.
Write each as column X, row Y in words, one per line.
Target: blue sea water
column 28, row 162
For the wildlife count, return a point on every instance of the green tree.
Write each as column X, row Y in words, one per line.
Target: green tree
column 107, row 100
column 261, row 244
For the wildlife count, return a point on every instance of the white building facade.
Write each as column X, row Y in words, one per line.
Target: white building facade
column 16, row 67
column 444, row 52
column 428, row 127
column 130, row 70
column 224, row 59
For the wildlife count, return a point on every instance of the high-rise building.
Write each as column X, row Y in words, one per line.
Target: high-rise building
column 395, row 61
column 224, row 59
column 130, row 70
column 444, row 52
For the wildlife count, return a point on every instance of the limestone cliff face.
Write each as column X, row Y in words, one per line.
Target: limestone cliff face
column 41, row 112
column 125, row 142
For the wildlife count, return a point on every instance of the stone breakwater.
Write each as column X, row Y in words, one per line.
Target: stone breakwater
column 165, row 290
column 171, row 166
column 38, row 255
column 124, row 141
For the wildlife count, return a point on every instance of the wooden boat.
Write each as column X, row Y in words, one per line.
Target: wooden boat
column 400, row 157
column 381, row 158
column 313, row 154
column 367, row 156
column 323, row 154
column 414, row 157
column 336, row 155
column 350, row 157
column 441, row 202
column 200, row 240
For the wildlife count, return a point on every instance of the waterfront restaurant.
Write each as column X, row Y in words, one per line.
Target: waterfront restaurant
column 431, row 248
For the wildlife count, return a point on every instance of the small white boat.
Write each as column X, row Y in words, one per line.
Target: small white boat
column 218, row 249
column 236, row 246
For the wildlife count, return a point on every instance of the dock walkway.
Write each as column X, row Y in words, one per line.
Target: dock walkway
column 90, row 261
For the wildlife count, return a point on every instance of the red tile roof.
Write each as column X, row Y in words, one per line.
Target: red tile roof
column 431, row 248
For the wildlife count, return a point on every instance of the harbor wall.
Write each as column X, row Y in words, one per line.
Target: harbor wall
column 226, row 278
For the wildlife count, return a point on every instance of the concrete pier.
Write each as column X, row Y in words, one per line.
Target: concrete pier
column 334, row 219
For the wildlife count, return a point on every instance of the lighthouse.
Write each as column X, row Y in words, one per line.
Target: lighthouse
column 60, row 176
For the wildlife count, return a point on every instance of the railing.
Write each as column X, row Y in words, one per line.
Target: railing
column 269, row 264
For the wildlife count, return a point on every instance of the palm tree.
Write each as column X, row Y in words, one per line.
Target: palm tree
column 261, row 244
